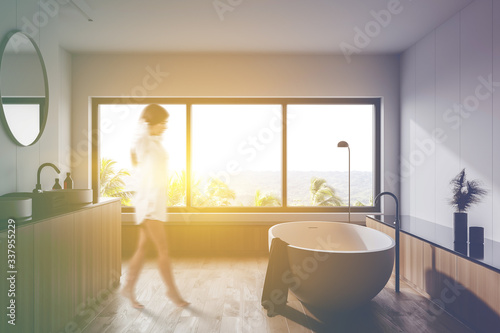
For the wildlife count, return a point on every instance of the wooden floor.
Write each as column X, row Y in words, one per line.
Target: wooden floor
column 225, row 297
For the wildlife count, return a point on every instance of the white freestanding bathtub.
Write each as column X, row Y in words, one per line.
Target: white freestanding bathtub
column 335, row 266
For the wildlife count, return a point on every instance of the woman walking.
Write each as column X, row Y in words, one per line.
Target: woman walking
column 151, row 162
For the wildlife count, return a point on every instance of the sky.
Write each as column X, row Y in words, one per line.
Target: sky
column 236, row 138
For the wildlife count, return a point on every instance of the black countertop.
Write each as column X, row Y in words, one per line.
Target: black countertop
column 65, row 210
column 487, row 255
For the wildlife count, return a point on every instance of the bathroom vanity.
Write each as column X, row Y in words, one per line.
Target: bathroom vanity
column 463, row 280
column 65, row 266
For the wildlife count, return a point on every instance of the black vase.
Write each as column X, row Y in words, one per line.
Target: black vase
column 460, row 227
column 476, row 251
column 476, row 235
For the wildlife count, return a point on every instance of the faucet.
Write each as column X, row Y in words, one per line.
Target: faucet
column 397, row 227
column 38, row 187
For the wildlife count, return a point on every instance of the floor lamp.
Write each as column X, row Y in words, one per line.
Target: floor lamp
column 344, row 144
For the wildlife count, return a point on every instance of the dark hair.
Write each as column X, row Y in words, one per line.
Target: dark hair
column 154, row 114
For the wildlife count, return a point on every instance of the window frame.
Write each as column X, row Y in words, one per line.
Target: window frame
column 283, row 101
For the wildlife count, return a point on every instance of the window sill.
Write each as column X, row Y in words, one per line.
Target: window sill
column 251, row 218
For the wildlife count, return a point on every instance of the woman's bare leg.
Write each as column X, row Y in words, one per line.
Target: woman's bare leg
column 156, row 232
column 134, row 269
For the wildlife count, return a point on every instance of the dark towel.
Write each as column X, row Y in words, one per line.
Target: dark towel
column 275, row 291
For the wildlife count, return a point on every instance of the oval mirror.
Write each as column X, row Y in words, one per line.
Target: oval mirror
column 24, row 88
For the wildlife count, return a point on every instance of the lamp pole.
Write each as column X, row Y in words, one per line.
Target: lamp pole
column 344, row 144
column 349, row 182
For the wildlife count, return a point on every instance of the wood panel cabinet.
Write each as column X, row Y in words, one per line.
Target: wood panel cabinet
column 467, row 290
column 97, row 257
column 43, row 257
column 412, row 260
column 111, row 240
column 478, row 295
column 54, row 270
column 23, row 280
column 87, row 261
column 65, row 265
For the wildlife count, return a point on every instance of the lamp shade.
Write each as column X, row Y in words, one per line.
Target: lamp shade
column 342, row 144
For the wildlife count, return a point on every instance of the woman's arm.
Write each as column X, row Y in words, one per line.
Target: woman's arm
column 133, row 157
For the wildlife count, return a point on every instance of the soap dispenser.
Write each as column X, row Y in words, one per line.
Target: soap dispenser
column 68, row 182
column 57, row 186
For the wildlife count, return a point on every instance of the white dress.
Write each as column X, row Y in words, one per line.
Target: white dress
column 151, row 179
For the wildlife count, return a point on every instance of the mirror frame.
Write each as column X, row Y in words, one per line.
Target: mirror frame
column 44, row 112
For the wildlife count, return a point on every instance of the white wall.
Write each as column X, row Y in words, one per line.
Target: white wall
column 235, row 75
column 442, row 71
column 18, row 165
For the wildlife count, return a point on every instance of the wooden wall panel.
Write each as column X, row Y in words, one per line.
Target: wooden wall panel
column 204, row 240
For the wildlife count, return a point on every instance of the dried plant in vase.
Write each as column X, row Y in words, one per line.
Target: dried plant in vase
column 465, row 194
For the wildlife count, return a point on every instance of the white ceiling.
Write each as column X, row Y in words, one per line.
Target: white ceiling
column 247, row 26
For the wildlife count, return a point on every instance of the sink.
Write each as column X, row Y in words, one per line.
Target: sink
column 74, row 196
column 52, row 202
column 42, row 204
column 19, row 208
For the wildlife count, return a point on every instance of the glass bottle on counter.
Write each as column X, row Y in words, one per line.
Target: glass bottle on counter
column 57, row 186
column 68, row 182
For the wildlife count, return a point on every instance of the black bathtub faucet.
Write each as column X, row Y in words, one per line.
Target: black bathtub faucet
column 397, row 226
column 38, row 187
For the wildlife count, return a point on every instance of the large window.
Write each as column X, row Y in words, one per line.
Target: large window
column 317, row 168
column 248, row 154
column 235, row 156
